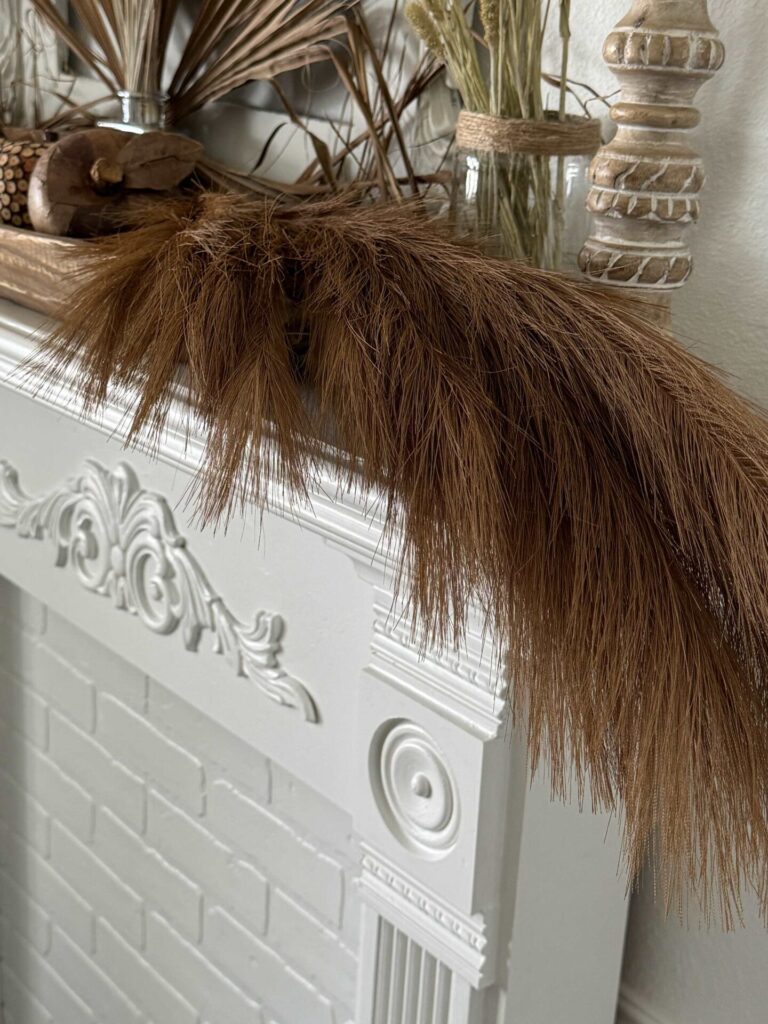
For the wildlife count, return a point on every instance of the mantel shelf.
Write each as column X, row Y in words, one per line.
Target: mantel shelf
column 347, row 517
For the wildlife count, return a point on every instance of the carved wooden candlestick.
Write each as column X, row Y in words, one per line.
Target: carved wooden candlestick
column 646, row 182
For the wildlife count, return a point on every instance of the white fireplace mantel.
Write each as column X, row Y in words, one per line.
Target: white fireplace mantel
column 481, row 901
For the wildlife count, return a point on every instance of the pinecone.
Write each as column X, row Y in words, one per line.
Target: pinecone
column 17, row 161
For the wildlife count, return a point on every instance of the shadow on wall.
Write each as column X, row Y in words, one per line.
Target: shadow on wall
column 24, row 826
column 675, row 973
column 723, row 312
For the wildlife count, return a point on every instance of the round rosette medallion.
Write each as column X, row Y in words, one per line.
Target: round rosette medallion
column 414, row 788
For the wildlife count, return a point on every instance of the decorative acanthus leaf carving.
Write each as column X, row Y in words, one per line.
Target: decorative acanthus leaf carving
column 122, row 542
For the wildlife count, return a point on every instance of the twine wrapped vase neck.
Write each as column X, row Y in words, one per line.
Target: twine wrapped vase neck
column 520, row 186
column 575, row 136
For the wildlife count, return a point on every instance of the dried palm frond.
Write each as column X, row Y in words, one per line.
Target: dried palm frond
column 543, row 451
column 231, row 42
column 214, row 175
column 11, row 62
column 125, row 40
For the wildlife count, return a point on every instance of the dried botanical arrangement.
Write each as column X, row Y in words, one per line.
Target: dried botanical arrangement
column 543, row 450
column 370, row 158
column 374, row 160
column 514, row 199
column 80, row 187
column 230, row 43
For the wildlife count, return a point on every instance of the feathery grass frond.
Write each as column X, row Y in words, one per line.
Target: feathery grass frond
column 542, row 451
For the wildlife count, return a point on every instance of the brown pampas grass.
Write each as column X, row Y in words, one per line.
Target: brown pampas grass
column 544, row 450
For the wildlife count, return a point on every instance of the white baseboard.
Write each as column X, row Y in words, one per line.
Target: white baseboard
column 634, row 1009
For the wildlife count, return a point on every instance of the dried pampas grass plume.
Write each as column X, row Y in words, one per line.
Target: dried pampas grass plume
column 544, row 450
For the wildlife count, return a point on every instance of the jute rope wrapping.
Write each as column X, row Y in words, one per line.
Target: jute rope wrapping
column 575, row 136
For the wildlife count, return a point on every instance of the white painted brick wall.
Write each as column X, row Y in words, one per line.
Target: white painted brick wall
column 154, row 869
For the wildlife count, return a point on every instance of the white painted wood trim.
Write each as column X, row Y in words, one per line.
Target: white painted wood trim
column 345, row 518
column 122, row 542
column 476, row 890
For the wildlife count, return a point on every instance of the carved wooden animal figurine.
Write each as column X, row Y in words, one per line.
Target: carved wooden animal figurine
column 646, row 181
column 85, row 181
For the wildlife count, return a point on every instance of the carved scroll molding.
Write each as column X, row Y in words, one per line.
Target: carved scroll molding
column 646, row 181
column 122, row 542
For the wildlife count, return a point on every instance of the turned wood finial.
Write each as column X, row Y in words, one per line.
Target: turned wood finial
column 646, row 182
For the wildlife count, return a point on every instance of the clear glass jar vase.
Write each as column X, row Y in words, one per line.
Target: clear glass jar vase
column 522, row 205
column 139, row 112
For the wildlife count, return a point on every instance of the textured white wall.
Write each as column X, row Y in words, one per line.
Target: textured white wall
column 683, row 976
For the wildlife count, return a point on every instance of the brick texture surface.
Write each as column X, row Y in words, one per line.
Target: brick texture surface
column 154, row 869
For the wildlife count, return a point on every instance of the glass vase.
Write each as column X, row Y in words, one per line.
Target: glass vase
column 522, row 205
column 139, row 112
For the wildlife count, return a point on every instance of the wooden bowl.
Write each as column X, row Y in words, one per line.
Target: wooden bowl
column 36, row 270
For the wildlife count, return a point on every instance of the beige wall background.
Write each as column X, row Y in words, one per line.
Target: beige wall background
column 673, row 973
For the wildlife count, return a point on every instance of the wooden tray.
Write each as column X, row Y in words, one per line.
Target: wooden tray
column 37, row 271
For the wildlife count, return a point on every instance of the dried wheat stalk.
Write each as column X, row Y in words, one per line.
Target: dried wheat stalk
column 543, row 450
column 514, row 202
